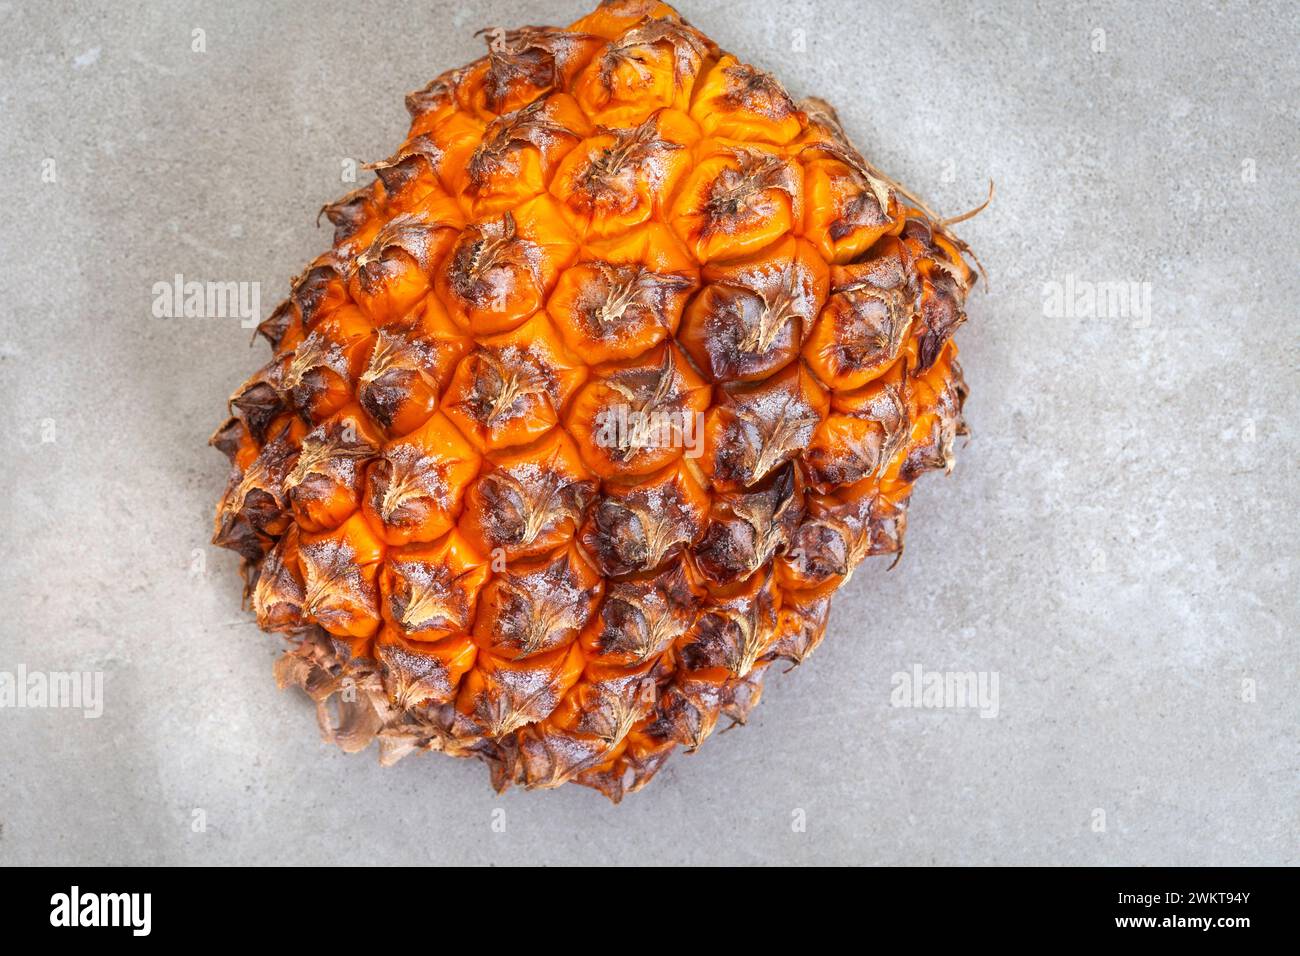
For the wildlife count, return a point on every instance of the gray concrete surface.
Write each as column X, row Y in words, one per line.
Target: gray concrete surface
column 1117, row 544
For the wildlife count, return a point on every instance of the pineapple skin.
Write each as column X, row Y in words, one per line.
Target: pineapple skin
column 614, row 216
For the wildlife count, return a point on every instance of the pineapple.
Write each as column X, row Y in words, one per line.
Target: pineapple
column 611, row 378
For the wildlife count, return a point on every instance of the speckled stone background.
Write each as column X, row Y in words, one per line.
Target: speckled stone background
column 1117, row 544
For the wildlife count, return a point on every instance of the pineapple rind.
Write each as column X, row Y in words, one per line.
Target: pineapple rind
column 613, row 215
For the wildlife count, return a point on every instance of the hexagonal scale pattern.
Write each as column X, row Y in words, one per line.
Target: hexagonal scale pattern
column 609, row 380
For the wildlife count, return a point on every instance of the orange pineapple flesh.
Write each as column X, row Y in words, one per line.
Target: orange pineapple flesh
column 607, row 219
